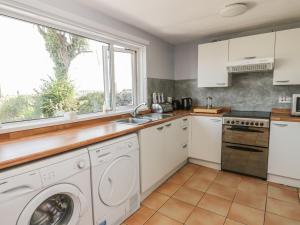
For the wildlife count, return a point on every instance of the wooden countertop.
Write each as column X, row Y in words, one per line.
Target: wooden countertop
column 26, row 149
column 283, row 115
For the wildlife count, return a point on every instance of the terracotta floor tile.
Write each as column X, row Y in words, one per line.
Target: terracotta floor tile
column 179, row 178
column 285, row 209
column 189, row 169
column 155, row 200
column 206, row 173
column 228, row 179
column 168, row 188
column 254, row 186
column 198, row 183
column 272, row 219
column 176, row 210
column 231, row 222
column 159, row 219
column 203, row 217
column 283, row 194
column 283, row 186
column 140, row 217
column 246, row 215
column 255, row 200
column 222, row 191
column 188, row 195
column 215, row 204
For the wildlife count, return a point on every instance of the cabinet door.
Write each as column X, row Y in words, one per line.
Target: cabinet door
column 287, row 55
column 258, row 46
column 152, row 155
column 212, row 60
column 206, row 138
column 171, row 144
column 284, row 152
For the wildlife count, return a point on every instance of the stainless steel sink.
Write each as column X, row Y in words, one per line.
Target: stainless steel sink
column 136, row 121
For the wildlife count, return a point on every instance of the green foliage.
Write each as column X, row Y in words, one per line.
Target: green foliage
column 21, row 107
column 124, row 97
column 57, row 95
column 91, row 102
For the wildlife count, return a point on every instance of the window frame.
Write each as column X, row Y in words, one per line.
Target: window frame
column 140, row 87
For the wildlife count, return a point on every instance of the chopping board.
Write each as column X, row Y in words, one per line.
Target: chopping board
column 214, row 110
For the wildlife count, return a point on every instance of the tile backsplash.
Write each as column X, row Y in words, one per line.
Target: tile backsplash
column 160, row 85
column 253, row 91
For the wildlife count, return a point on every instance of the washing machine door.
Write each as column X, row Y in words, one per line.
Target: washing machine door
column 60, row 204
column 118, row 181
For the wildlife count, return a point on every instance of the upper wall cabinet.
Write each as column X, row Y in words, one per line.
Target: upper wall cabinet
column 212, row 60
column 287, row 57
column 255, row 46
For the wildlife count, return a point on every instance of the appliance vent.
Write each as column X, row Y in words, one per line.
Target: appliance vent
column 253, row 65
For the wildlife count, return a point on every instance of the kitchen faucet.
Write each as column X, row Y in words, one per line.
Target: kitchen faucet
column 134, row 113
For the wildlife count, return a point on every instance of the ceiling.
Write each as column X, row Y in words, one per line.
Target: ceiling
column 178, row 21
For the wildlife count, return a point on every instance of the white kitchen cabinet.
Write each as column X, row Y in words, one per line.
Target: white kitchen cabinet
column 162, row 149
column 287, row 56
column 212, row 60
column 284, row 153
column 258, row 46
column 206, row 138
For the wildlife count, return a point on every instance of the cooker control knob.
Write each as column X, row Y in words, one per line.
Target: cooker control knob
column 261, row 124
column 256, row 124
column 232, row 122
column 81, row 164
column 228, row 121
column 251, row 124
column 242, row 122
column 247, row 123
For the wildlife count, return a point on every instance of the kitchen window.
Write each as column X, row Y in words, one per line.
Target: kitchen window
column 46, row 73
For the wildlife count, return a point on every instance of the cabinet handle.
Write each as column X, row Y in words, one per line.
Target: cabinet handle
column 184, row 146
column 280, row 125
column 185, row 128
column 220, row 84
column 168, row 125
column 216, row 120
column 250, row 57
column 160, row 128
column 282, row 81
column 185, row 119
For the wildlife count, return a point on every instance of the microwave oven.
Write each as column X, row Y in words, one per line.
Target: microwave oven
column 296, row 105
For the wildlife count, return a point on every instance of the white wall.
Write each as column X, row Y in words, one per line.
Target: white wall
column 160, row 63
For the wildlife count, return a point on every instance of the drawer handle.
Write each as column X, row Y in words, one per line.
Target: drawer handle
column 160, row 128
column 282, row 81
column 185, row 119
column 168, row 125
column 216, row 120
column 184, row 146
column 280, row 125
column 185, row 128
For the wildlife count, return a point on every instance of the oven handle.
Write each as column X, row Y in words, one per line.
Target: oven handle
column 245, row 130
column 245, row 149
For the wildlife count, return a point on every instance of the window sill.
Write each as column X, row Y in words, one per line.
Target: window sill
column 27, row 125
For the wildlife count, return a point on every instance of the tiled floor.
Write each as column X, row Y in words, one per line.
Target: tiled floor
column 197, row 195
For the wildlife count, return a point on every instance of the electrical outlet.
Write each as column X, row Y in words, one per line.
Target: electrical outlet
column 285, row 99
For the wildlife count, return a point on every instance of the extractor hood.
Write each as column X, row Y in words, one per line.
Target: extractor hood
column 250, row 65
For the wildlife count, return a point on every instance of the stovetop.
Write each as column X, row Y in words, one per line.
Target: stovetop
column 248, row 114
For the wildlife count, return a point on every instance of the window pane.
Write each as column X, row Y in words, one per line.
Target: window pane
column 45, row 72
column 124, row 77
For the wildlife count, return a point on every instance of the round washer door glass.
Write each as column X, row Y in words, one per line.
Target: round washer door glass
column 56, row 205
column 118, row 181
column 56, row 210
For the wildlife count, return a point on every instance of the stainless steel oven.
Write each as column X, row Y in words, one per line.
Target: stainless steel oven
column 245, row 144
column 296, row 105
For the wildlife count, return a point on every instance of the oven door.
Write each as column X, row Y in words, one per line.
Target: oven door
column 245, row 159
column 254, row 136
column 296, row 105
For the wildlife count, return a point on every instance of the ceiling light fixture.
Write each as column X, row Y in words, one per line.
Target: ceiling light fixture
column 233, row 10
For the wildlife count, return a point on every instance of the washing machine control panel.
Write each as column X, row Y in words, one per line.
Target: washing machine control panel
column 63, row 170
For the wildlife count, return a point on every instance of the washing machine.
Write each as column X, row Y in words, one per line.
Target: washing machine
column 53, row 191
column 115, row 179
